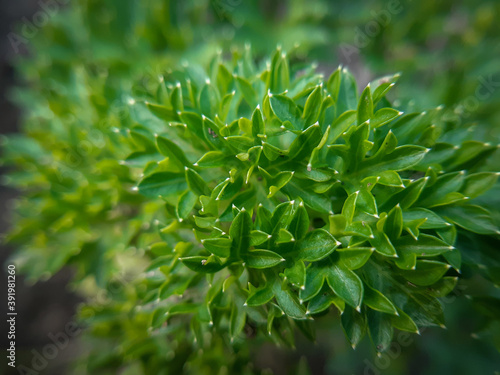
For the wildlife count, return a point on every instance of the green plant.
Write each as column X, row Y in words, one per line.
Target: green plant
column 240, row 199
column 291, row 195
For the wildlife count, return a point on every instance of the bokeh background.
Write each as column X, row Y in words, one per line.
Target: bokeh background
column 448, row 53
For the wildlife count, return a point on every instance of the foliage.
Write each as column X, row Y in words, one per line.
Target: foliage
column 245, row 198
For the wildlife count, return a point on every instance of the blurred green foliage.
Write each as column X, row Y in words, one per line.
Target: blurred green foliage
column 78, row 207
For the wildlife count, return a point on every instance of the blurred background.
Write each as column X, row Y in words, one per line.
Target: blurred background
column 448, row 53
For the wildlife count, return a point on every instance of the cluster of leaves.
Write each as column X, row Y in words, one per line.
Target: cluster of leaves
column 292, row 194
column 339, row 199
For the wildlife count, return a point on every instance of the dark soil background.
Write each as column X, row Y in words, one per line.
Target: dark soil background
column 45, row 307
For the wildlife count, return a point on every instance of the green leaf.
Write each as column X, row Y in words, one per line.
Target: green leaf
column 296, row 274
column 319, row 202
column 209, row 100
column 185, row 204
column 259, row 296
column 403, row 322
column 162, row 184
column 237, row 321
column 162, row 112
column 426, row 245
column 258, row 126
column 305, row 142
column 300, row 223
column 248, row 91
column 384, row 116
column 212, row 159
column 432, row 220
column 286, row 110
column 354, row 325
column 470, row 217
column 402, row 158
column 196, row 183
column 382, row 244
column 262, row 259
column 312, row 106
column 284, row 236
column 426, row 273
column 315, row 277
column 240, row 234
column 390, row 178
column 346, row 284
column 183, row 308
column 365, row 106
column 218, row 246
column 377, row 301
column 394, row 224
column 380, row 329
column 316, row 245
column 202, row 264
column 258, row 237
column 275, row 183
column 289, row 302
column 478, row 183
column 355, row 257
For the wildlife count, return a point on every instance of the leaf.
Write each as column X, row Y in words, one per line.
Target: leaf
column 316, row 245
column 185, row 204
column 196, row 183
column 258, row 126
column 162, row 112
column 218, row 246
column 202, row 264
column 300, row 223
column 402, row 158
column 403, row 322
column 384, row 116
column 394, row 224
column 390, row 178
column 380, row 329
column 212, row 159
column 346, row 284
column 275, row 183
column 382, row 244
column 209, row 100
column 315, row 277
column 478, row 183
column 312, row 106
column 289, row 302
column 296, row 274
column 341, row 124
column 426, row 245
column 284, row 236
column 377, row 301
column 432, row 220
column 247, row 91
column 162, row 184
column 365, row 106
column 354, row 325
column 305, row 142
column 318, row 202
column 262, row 259
column 240, row 234
column 470, row 217
column 259, row 296
column 272, row 152
column 285, row 109
column 258, row 237
column 355, row 257
column 183, row 308
column 426, row 273
column 237, row 321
